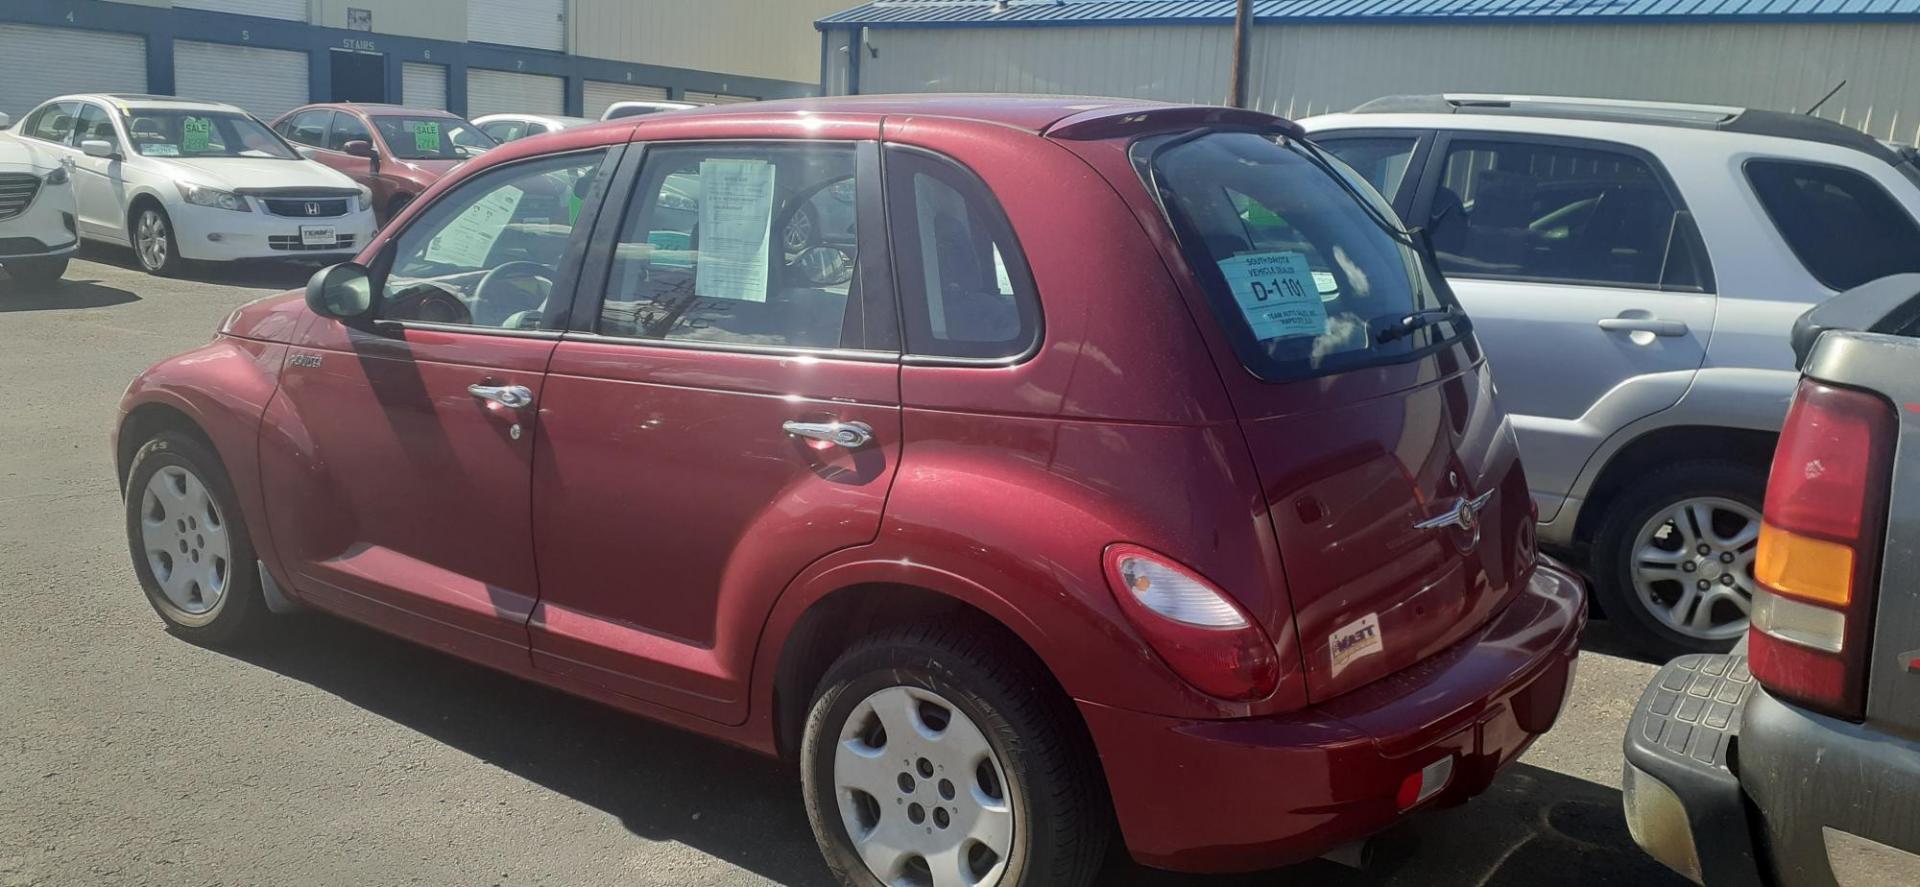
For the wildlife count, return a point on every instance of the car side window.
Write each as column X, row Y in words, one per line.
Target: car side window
column 309, row 127
column 346, row 128
column 965, row 290
column 504, row 131
column 1381, row 160
column 488, row 252
column 94, row 123
column 53, row 123
column 739, row 245
column 1555, row 212
column 1845, row 229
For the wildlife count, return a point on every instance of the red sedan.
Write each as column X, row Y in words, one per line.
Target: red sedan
column 1103, row 464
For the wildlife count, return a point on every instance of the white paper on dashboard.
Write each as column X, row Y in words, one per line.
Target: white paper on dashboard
column 736, row 220
column 469, row 238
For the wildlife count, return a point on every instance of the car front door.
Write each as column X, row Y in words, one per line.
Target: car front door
column 724, row 412
column 397, row 468
column 99, row 183
column 1586, row 281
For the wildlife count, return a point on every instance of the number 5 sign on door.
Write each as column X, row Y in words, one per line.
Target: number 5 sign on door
column 1276, row 294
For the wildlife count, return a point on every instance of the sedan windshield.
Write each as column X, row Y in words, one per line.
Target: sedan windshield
column 158, row 133
column 1309, row 274
column 422, row 137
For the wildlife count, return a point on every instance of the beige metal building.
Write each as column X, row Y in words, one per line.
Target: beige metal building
column 471, row 56
column 1312, row 56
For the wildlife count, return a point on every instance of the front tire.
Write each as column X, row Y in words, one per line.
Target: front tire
column 154, row 243
column 1673, row 561
column 36, row 273
column 190, row 547
column 934, row 754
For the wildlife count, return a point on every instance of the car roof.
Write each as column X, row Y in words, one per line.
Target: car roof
column 1720, row 118
column 1032, row 113
column 375, row 108
column 150, row 102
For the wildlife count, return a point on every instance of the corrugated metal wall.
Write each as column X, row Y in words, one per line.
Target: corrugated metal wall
column 755, row 38
column 1299, row 70
column 435, row 19
column 1186, row 63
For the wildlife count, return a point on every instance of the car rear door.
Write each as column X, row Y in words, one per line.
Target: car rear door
column 398, row 456
column 1582, row 270
column 724, row 411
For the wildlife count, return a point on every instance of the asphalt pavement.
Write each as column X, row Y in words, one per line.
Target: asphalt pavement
column 333, row 755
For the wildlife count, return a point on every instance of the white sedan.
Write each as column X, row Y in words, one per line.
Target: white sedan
column 36, row 212
column 184, row 181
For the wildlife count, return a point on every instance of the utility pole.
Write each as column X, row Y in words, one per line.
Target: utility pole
column 1242, row 29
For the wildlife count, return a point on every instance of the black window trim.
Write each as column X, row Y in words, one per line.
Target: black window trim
column 1410, row 180
column 1773, row 222
column 876, row 277
column 1018, row 270
column 1436, row 169
column 565, row 284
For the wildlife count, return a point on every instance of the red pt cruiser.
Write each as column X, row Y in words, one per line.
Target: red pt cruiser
column 1020, row 467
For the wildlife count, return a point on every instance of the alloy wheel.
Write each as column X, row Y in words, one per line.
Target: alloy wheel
column 150, row 238
column 923, row 795
column 184, row 536
column 1693, row 566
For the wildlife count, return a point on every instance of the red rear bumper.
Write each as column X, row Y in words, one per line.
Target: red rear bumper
column 1248, row 794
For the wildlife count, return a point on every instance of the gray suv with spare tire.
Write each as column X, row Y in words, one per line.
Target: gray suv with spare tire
column 1633, row 270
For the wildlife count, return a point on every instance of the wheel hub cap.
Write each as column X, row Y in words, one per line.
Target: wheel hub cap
column 921, row 792
column 185, row 539
column 1693, row 567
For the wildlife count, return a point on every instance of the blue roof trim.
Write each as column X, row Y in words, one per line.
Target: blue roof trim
column 981, row 13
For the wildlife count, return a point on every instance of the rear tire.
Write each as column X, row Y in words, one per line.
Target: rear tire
column 984, row 767
column 36, row 273
column 1648, row 565
column 189, row 543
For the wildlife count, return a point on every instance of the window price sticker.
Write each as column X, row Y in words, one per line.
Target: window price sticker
column 196, row 133
column 1277, row 294
column 426, row 136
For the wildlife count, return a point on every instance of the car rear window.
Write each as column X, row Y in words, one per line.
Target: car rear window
column 1843, row 227
column 1301, row 275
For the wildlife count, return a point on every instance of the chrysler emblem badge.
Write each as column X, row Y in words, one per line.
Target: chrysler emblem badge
column 1463, row 516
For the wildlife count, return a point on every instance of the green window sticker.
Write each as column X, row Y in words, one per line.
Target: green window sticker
column 195, row 134
column 1276, row 294
column 426, row 136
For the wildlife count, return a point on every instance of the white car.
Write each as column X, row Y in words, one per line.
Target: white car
column 505, row 128
column 183, row 181
column 37, row 233
column 618, row 110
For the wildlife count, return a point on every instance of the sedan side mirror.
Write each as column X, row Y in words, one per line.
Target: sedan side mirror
column 343, row 292
column 358, row 148
column 98, row 148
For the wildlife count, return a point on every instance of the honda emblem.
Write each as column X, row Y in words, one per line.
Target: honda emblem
column 313, row 209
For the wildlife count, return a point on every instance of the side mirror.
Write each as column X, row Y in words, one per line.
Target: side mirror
column 1888, row 305
column 343, row 292
column 358, row 148
column 98, row 148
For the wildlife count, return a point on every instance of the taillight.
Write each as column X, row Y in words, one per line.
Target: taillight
column 1195, row 628
column 1820, row 548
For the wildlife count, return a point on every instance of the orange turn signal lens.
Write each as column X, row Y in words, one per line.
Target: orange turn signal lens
column 1804, row 567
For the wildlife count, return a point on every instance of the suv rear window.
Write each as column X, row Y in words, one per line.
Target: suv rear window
column 1300, row 274
column 1844, row 228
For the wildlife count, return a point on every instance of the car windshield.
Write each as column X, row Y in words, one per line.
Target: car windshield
column 1304, row 278
column 431, row 137
column 156, row 133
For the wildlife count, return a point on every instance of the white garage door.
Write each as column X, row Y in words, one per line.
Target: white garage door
column 423, row 85
column 266, row 82
column 501, row 92
column 539, row 24
column 714, row 98
column 37, row 64
column 600, row 94
column 295, row 10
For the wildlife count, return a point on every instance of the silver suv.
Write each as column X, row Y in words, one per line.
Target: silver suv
column 1633, row 270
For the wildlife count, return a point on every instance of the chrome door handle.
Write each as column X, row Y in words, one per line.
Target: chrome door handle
column 852, row 435
column 513, row 397
column 1652, row 325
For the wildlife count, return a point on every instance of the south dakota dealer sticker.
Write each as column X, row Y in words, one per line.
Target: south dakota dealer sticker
column 1357, row 639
